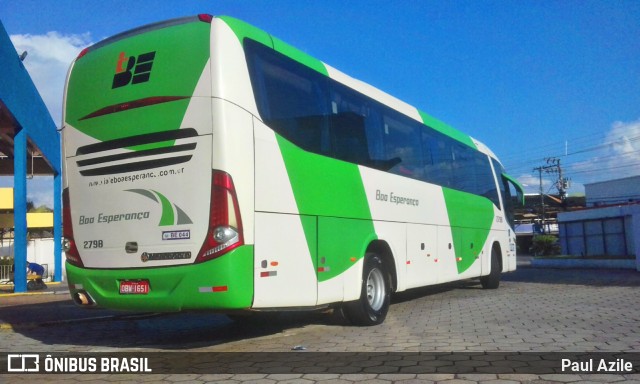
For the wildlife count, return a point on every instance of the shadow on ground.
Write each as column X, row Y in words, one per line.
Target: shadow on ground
column 54, row 319
column 591, row 277
column 62, row 324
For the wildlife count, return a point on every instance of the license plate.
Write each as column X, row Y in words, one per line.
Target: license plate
column 134, row 287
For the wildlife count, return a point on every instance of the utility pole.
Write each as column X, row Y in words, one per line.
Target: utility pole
column 562, row 183
column 539, row 169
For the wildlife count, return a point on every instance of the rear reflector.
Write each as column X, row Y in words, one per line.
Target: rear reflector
column 221, row 288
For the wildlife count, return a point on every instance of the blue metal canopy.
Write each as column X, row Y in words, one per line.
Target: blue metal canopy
column 27, row 129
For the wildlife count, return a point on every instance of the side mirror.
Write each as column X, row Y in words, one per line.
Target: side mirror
column 517, row 186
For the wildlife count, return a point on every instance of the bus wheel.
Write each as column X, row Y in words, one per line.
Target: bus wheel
column 375, row 296
column 492, row 280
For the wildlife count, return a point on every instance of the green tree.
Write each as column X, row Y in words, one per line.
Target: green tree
column 545, row 245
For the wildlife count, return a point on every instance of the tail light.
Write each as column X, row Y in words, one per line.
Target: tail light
column 82, row 53
column 205, row 18
column 225, row 224
column 68, row 243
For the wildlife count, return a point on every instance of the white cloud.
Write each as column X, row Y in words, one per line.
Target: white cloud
column 625, row 139
column 40, row 191
column 619, row 156
column 48, row 59
column 531, row 183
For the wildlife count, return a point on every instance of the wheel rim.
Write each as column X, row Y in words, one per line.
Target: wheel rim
column 375, row 289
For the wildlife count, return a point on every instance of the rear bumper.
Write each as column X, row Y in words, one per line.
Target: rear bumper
column 222, row 283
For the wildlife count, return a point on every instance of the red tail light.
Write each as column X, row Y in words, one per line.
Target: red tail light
column 69, row 244
column 82, row 53
column 205, row 18
column 225, row 224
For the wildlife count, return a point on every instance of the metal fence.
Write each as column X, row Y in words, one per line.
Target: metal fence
column 607, row 237
column 5, row 272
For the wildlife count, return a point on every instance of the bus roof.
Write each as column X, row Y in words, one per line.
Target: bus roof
column 244, row 30
column 142, row 29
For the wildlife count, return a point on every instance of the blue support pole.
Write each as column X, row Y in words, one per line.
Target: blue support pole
column 57, row 227
column 20, row 98
column 20, row 210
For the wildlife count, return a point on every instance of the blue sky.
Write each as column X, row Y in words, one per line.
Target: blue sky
column 531, row 79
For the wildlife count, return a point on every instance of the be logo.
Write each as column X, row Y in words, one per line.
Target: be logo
column 130, row 70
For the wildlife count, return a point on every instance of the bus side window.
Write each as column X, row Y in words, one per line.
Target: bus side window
column 485, row 182
column 350, row 120
column 402, row 141
column 510, row 195
column 349, row 139
column 291, row 98
column 463, row 170
column 441, row 172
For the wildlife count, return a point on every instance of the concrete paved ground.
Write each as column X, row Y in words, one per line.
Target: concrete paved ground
column 535, row 311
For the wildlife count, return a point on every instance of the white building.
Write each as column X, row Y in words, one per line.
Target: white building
column 610, row 232
column 620, row 191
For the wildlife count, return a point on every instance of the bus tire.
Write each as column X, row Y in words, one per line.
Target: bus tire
column 375, row 295
column 492, row 280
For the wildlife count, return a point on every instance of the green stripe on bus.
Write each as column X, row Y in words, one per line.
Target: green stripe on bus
column 167, row 217
column 343, row 242
column 175, row 69
column 244, row 30
column 470, row 217
column 310, row 228
column 299, row 56
column 446, row 129
column 336, row 190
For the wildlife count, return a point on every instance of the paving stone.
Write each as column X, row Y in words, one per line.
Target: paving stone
column 562, row 378
column 595, row 312
column 499, row 381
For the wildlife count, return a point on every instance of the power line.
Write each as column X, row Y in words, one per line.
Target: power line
column 636, row 164
column 609, row 157
column 575, row 141
column 604, row 145
column 525, row 163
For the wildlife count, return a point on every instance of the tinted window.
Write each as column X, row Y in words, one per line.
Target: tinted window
column 505, row 191
column 323, row 116
column 353, row 124
column 438, row 158
column 463, row 167
column 402, row 144
column 291, row 98
column 485, row 182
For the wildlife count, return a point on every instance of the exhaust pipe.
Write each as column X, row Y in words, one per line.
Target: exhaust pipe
column 82, row 298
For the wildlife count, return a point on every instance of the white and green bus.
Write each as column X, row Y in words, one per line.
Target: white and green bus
column 209, row 165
